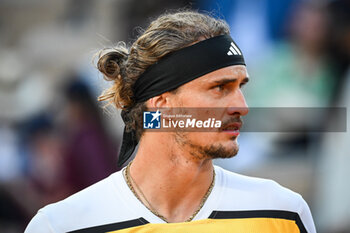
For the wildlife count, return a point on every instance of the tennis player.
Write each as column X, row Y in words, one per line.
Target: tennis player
column 183, row 59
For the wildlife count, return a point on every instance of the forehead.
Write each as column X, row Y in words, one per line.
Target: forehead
column 238, row 72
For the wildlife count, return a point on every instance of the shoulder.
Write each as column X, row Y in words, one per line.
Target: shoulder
column 91, row 205
column 96, row 194
column 245, row 193
column 258, row 192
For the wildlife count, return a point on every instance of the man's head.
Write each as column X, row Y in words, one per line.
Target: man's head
column 216, row 94
column 164, row 36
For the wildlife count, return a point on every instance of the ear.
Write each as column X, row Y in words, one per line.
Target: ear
column 159, row 101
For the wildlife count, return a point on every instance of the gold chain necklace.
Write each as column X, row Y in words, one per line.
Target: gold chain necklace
column 129, row 179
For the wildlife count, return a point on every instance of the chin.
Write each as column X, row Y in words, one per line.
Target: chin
column 221, row 152
column 227, row 148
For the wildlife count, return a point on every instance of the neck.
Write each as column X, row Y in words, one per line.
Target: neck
column 172, row 180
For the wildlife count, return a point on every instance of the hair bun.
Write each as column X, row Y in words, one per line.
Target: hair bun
column 111, row 64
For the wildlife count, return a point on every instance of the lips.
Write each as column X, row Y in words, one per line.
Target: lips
column 232, row 128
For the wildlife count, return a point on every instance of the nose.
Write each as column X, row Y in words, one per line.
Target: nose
column 237, row 104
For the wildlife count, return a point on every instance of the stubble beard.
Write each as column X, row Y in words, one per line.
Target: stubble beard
column 214, row 151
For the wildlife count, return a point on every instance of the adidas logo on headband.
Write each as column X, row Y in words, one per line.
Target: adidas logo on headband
column 233, row 50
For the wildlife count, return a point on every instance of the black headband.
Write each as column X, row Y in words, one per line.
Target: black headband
column 184, row 65
column 176, row 69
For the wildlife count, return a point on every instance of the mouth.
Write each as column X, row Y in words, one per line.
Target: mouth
column 232, row 129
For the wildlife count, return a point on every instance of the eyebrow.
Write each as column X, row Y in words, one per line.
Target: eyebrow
column 230, row 80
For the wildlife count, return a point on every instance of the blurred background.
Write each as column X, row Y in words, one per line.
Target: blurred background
column 55, row 139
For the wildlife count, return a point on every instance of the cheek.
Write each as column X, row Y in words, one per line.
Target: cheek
column 208, row 138
column 202, row 99
column 191, row 98
column 203, row 138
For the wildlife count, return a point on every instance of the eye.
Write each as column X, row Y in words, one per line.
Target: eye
column 219, row 87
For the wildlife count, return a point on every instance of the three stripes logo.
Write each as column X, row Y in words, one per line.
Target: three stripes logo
column 233, row 50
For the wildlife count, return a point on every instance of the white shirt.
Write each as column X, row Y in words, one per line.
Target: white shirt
column 110, row 205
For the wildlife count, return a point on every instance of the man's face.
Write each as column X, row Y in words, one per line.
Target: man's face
column 219, row 89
